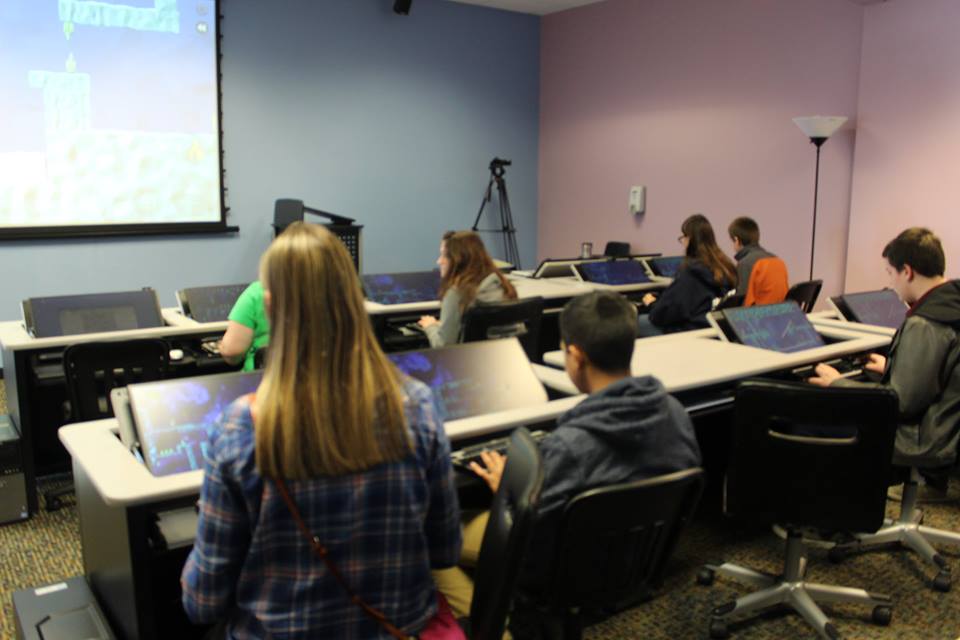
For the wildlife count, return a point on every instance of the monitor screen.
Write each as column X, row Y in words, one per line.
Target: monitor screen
column 779, row 327
column 475, row 378
column 210, row 304
column 173, row 418
column 92, row 313
column 616, row 272
column 400, row 288
column 667, row 266
column 883, row 308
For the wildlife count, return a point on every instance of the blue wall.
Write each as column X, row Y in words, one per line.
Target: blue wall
column 388, row 119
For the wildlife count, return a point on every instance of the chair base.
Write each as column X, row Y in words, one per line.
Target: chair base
column 791, row 590
column 906, row 531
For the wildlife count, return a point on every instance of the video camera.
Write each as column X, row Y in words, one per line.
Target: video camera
column 497, row 165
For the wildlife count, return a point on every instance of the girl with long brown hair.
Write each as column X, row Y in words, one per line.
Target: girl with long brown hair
column 467, row 276
column 706, row 273
column 337, row 439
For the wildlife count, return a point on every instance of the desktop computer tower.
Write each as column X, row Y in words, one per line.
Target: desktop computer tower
column 13, row 486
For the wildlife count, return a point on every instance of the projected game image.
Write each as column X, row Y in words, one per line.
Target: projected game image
column 666, row 266
column 174, row 418
column 474, row 378
column 110, row 112
column 778, row 327
column 617, row 272
column 883, row 308
column 401, row 288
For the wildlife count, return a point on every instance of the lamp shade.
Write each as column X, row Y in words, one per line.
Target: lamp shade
column 819, row 126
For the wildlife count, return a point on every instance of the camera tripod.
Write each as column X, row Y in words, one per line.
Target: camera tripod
column 511, row 253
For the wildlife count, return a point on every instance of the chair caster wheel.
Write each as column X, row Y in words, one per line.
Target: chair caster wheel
column 54, row 504
column 718, row 629
column 942, row 582
column 836, row 555
column 881, row 615
column 705, row 577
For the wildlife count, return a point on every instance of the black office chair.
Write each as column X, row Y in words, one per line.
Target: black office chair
column 506, row 538
column 906, row 531
column 614, row 248
column 614, row 543
column 286, row 211
column 805, row 294
column 93, row 369
column 778, row 475
column 730, row 302
column 260, row 357
column 515, row 318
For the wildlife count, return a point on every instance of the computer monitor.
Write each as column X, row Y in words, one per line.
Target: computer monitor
column 91, row 313
column 779, row 327
column 666, row 267
column 401, row 288
column 613, row 272
column 475, row 378
column 209, row 304
column 560, row 267
column 173, row 418
column 882, row 308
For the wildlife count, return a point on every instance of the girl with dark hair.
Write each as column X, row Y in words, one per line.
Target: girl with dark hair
column 706, row 273
column 467, row 276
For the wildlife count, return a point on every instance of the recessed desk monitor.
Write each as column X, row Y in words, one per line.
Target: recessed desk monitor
column 560, row 267
column 612, row 272
column 209, row 304
column 882, row 308
column 402, row 288
column 475, row 378
column 778, row 327
column 173, row 418
column 91, row 313
column 666, row 266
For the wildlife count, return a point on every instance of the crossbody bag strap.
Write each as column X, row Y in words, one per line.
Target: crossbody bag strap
column 321, row 550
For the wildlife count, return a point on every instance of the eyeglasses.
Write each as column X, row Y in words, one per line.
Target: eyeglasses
column 680, row 238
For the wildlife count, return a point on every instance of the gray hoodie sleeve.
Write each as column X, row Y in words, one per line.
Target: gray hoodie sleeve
column 448, row 331
column 916, row 368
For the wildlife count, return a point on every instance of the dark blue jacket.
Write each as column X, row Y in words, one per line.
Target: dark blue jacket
column 631, row 430
column 684, row 304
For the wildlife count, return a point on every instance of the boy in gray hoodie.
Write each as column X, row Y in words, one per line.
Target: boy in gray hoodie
column 629, row 428
column 921, row 365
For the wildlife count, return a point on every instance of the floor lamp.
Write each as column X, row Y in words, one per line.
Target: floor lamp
column 818, row 129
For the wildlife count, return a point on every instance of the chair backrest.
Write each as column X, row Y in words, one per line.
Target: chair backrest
column 93, row 369
column 808, row 456
column 514, row 318
column 506, row 537
column 730, row 302
column 614, row 542
column 805, row 294
column 769, row 283
column 615, row 248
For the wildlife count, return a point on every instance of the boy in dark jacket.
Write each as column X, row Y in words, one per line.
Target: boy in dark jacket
column 921, row 365
column 627, row 429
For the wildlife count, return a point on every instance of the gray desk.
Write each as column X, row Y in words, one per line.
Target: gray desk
column 36, row 388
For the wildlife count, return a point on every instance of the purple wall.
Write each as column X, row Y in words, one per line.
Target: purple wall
column 908, row 136
column 694, row 98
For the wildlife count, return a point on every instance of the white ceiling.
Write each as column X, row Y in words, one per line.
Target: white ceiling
column 543, row 7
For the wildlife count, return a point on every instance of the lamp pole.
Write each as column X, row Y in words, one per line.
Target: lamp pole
column 818, row 141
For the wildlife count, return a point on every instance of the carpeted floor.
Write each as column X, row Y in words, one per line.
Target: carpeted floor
column 47, row 549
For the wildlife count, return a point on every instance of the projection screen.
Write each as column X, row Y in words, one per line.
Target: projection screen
column 111, row 118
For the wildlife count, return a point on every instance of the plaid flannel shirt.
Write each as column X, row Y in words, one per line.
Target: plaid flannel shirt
column 385, row 527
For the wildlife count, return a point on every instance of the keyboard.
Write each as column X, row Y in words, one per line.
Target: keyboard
column 462, row 458
column 848, row 366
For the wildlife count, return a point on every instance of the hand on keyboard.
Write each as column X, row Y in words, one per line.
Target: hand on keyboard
column 492, row 469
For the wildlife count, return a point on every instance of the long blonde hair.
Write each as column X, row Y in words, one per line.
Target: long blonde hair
column 330, row 402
